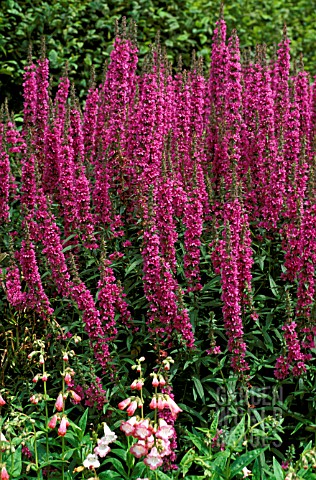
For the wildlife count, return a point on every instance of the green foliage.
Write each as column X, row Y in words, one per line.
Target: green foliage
column 82, row 33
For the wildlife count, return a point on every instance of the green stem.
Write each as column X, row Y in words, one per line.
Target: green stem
column 62, row 438
column 156, row 410
column 62, row 457
column 12, row 457
column 46, row 415
column 36, row 455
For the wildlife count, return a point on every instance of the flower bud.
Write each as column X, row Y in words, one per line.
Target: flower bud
column 133, row 385
column 52, row 422
column 75, row 397
column 124, row 403
column 63, row 427
column 2, row 401
column 155, row 382
column 139, row 385
column 31, row 355
column 4, row 474
column 67, row 378
column 34, row 399
column 59, row 405
column 131, row 408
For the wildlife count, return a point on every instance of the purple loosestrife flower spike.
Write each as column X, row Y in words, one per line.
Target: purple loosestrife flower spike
column 4, row 179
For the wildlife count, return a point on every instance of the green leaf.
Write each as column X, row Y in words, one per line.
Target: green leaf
column 273, row 286
column 108, row 474
column 69, row 247
column 237, row 434
column 187, row 461
column 83, row 421
column 220, row 460
column 117, row 465
column 17, row 467
column 214, row 425
column 185, row 408
column 256, row 470
column 244, row 460
column 277, row 470
column 199, row 387
column 133, row 265
column 53, row 56
column 120, row 453
column 162, row 475
column 139, row 469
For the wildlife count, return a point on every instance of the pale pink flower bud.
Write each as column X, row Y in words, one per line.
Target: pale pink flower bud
column 2, row 401
column 133, row 385
column 131, row 409
column 41, row 359
column 59, row 405
column 44, row 377
column 138, row 368
column 162, row 381
column 34, row 399
column 53, row 421
column 160, row 403
column 35, row 379
column 174, row 408
column 65, row 357
column 67, row 378
column 75, row 397
column 155, row 382
column 124, row 403
column 139, row 449
column 63, row 427
column 153, row 403
column 4, row 474
column 153, row 459
column 139, row 385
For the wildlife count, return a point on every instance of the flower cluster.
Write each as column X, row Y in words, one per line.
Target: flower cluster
column 101, row 450
column 154, row 438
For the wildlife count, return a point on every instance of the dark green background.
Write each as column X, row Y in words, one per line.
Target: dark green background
column 82, row 31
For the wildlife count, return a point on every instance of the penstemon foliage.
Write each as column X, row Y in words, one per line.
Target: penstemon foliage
column 173, row 221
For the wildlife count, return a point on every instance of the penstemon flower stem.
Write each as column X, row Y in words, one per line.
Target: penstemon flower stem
column 62, row 438
column 38, row 474
column 46, row 416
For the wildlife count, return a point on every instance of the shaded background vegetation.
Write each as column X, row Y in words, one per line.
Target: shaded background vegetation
column 82, row 32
